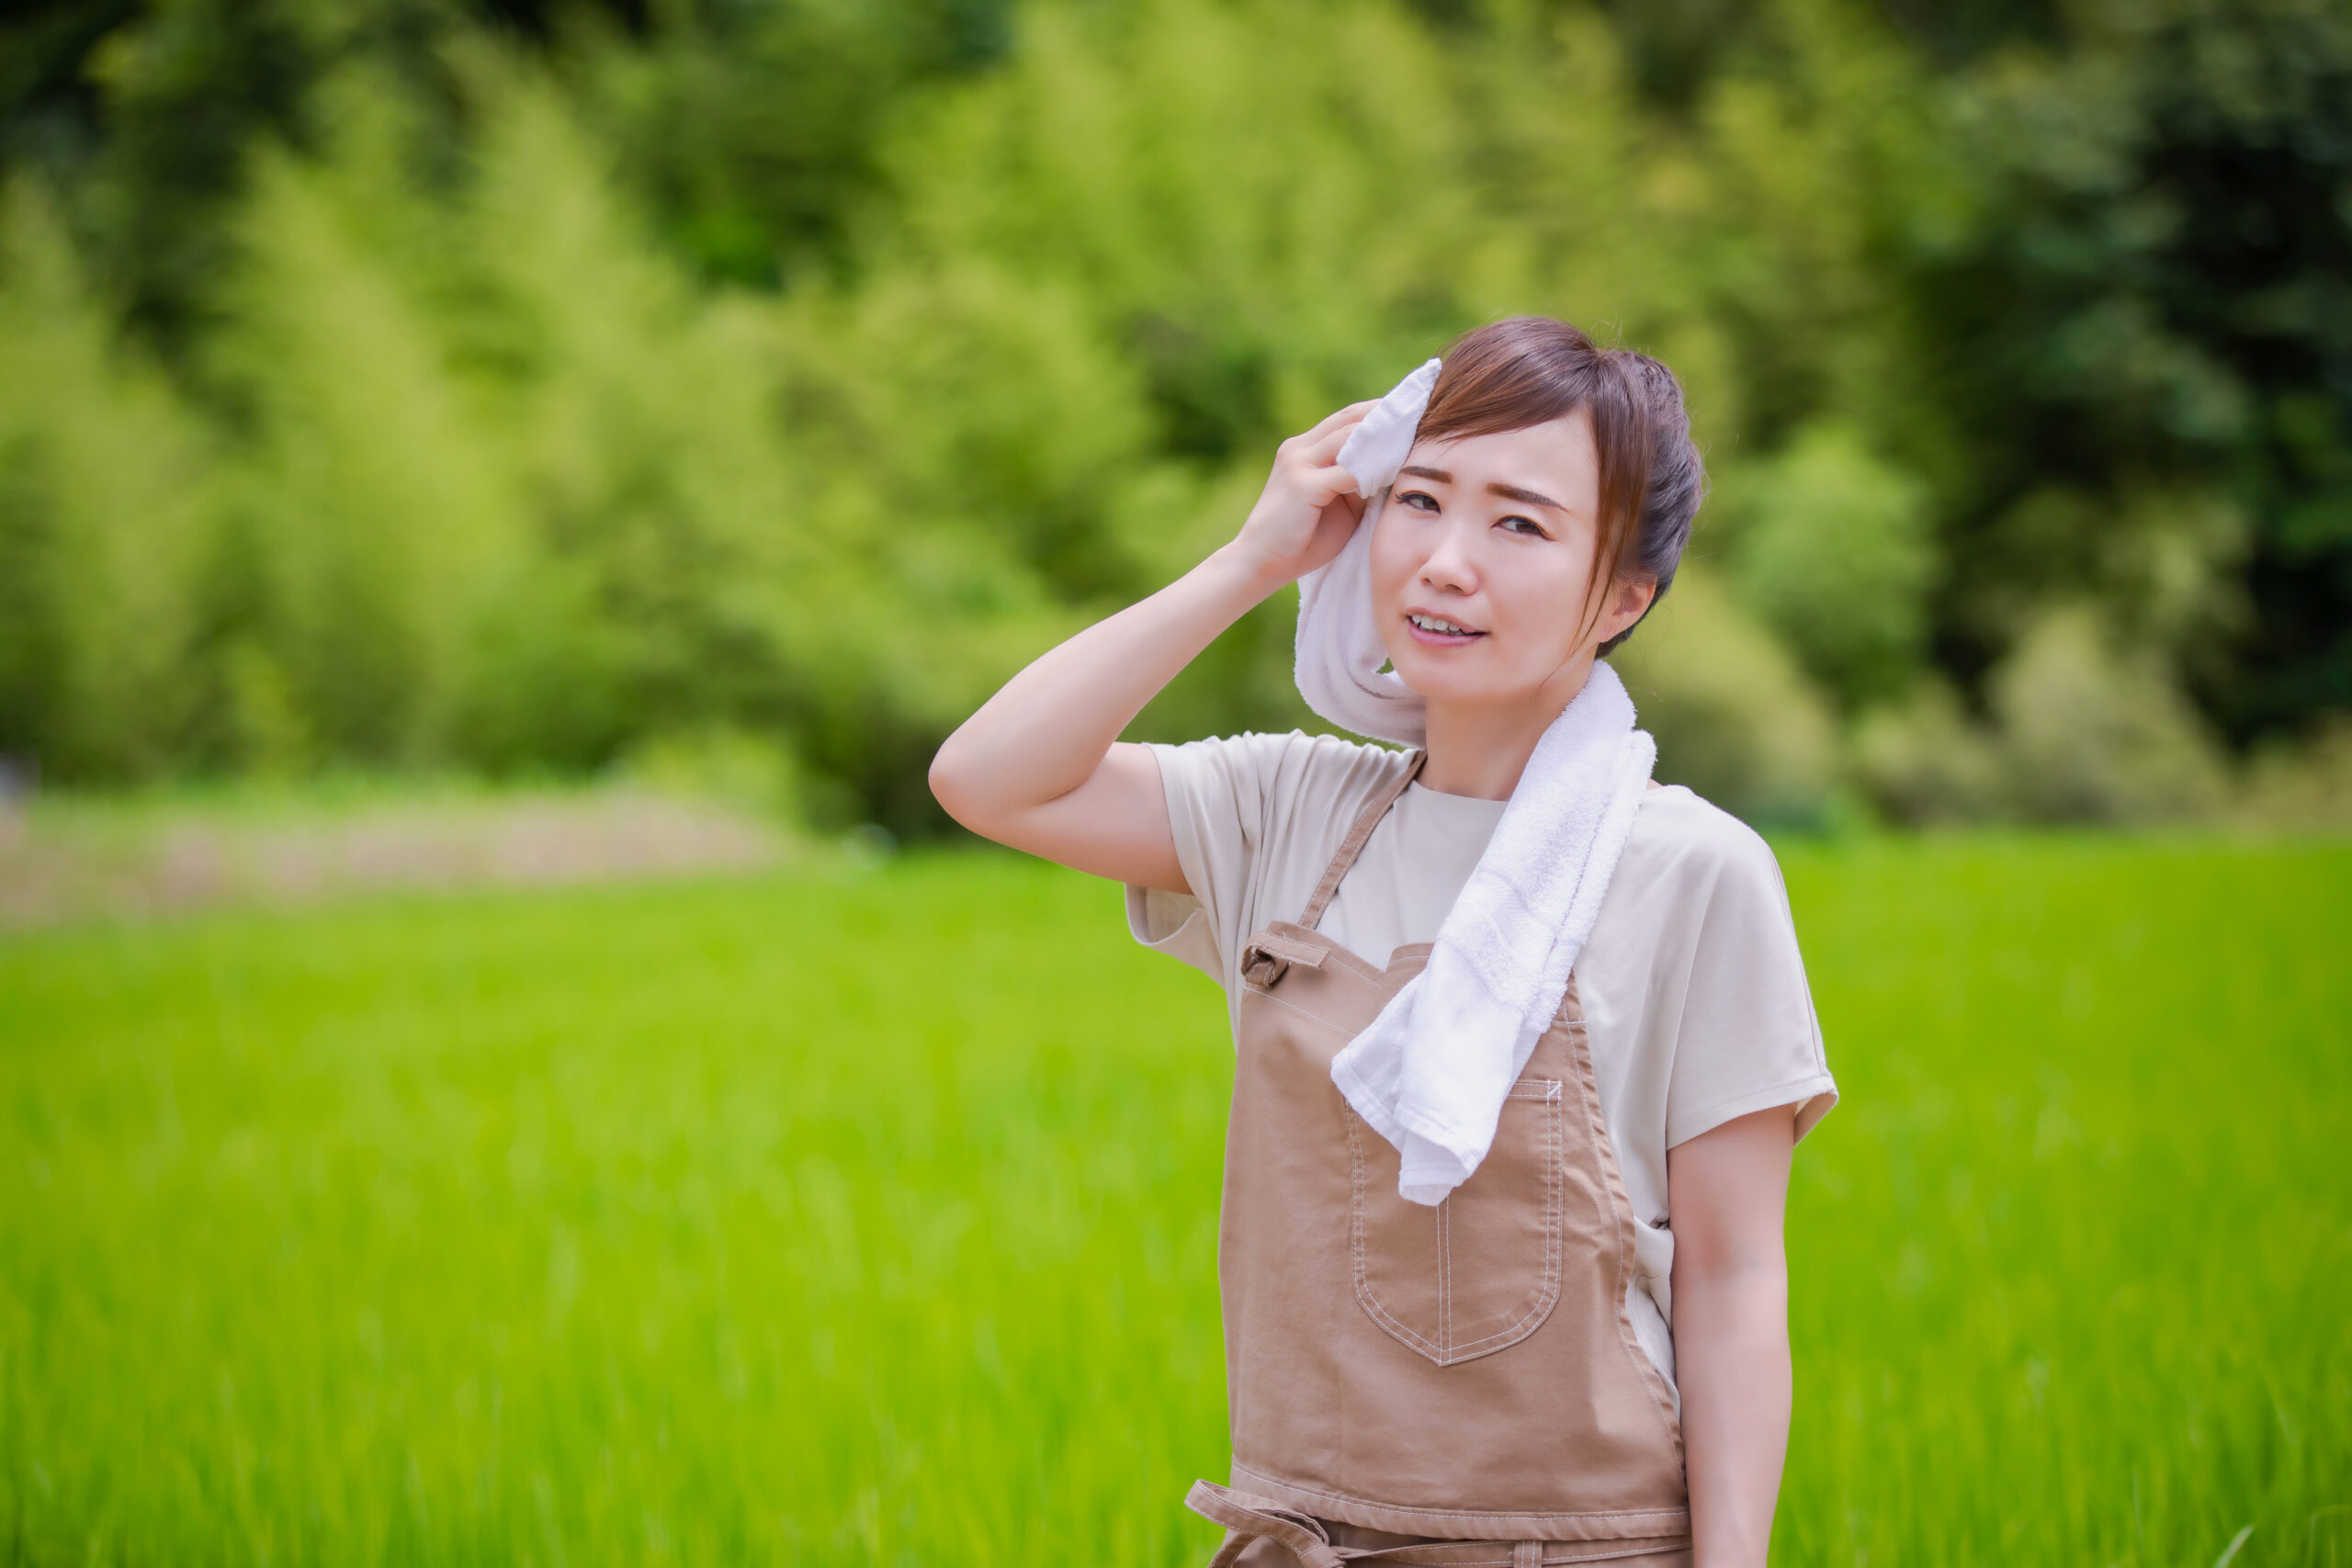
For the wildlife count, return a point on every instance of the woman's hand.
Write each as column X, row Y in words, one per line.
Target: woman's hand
column 1308, row 507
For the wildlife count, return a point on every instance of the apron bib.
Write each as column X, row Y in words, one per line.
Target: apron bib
column 1451, row 1385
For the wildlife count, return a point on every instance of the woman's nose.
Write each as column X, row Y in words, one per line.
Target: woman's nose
column 1448, row 564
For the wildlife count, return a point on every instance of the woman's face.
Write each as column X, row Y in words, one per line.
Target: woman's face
column 1482, row 560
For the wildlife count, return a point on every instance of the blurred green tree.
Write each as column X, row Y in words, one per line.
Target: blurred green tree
column 102, row 478
column 514, row 384
column 2152, row 292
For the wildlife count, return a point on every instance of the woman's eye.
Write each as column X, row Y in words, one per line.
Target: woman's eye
column 1524, row 525
column 1420, row 501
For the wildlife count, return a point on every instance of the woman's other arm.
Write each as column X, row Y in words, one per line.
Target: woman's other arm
column 1039, row 766
column 1729, row 1187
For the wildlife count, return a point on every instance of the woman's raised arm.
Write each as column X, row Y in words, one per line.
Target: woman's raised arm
column 1039, row 766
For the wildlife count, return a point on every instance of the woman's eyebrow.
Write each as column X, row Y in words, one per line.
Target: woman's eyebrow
column 1524, row 497
column 1509, row 493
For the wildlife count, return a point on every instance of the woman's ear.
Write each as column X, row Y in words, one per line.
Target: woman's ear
column 1628, row 602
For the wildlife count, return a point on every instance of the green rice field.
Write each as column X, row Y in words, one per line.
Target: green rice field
column 867, row 1216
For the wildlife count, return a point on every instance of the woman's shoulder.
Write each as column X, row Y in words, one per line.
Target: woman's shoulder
column 1680, row 836
column 1256, row 816
column 1292, row 765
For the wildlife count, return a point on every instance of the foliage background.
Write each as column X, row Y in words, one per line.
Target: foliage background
column 727, row 393
column 418, row 383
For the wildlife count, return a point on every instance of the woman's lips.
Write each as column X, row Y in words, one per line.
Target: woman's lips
column 1430, row 637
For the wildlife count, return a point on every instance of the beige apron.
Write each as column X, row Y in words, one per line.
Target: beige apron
column 1401, row 1376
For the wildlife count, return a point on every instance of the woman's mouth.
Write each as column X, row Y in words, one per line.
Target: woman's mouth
column 1436, row 631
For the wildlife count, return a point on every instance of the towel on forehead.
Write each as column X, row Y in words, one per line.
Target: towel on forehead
column 1340, row 652
column 1431, row 1073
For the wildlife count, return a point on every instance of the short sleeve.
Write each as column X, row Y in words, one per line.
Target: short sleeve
column 1175, row 924
column 1748, row 1038
column 1218, row 794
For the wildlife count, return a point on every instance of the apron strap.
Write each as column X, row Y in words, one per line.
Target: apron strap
column 1265, row 961
column 1352, row 845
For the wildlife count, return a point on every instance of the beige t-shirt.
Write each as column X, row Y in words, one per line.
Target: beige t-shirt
column 1694, row 994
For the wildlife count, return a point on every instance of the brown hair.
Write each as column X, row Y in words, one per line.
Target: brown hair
column 1527, row 370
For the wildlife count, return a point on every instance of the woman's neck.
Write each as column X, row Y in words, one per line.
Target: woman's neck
column 1479, row 749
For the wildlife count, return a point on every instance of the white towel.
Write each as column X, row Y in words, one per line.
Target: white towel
column 1431, row 1072
column 1339, row 653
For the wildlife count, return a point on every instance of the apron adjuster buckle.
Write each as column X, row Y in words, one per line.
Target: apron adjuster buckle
column 1269, row 958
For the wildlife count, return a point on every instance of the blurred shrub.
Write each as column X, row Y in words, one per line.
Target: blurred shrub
column 2091, row 732
column 1832, row 552
column 2083, row 727
column 1924, row 760
column 1733, row 718
column 732, row 765
column 2303, row 787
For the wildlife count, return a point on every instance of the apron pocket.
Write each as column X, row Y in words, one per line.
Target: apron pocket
column 1481, row 1271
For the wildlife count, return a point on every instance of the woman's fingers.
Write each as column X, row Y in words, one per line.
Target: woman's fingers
column 1325, row 448
column 1320, row 457
column 1308, row 509
column 1319, row 447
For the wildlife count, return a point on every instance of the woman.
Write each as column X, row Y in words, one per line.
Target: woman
column 1519, row 1292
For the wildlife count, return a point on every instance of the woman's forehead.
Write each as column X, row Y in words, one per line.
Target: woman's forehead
column 1557, row 456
